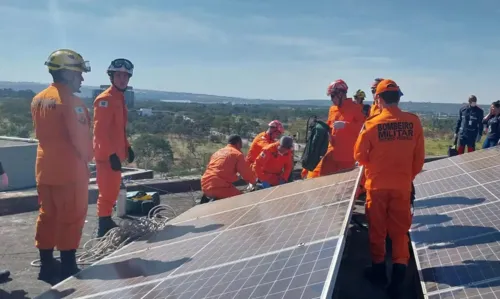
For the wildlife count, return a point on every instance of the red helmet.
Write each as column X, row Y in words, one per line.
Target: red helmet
column 338, row 85
column 278, row 125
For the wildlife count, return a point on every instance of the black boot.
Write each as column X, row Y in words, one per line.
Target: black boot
column 4, row 275
column 395, row 289
column 48, row 271
column 68, row 264
column 105, row 225
column 376, row 274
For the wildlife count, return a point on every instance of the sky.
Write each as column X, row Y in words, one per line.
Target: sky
column 437, row 51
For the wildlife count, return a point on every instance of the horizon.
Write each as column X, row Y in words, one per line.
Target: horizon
column 437, row 52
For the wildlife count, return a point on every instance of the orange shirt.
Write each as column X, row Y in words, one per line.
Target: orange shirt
column 62, row 127
column 271, row 166
column 391, row 148
column 259, row 142
column 110, row 122
column 223, row 167
column 345, row 138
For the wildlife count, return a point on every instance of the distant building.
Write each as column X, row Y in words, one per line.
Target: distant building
column 145, row 111
column 129, row 95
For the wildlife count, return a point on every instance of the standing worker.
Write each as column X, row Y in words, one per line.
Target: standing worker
column 111, row 146
column 492, row 122
column 469, row 126
column 62, row 127
column 274, row 164
column 4, row 183
column 375, row 108
column 273, row 133
column 359, row 97
column 391, row 148
column 345, row 119
column 221, row 173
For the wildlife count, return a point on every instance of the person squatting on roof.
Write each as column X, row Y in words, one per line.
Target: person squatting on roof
column 221, row 173
column 469, row 126
column 62, row 126
column 111, row 146
column 274, row 164
column 492, row 123
column 391, row 149
column 262, row 140
column 345, row 119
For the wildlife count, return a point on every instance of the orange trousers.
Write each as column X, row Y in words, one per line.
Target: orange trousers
column 328, row 165
column 61, row 217
column 222, row 192
column 108, row 182
column 388, row 211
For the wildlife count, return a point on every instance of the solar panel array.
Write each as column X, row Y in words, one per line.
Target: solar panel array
column 282, row 242
column 455, row 231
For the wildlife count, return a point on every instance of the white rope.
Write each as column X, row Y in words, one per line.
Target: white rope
column 128, row 230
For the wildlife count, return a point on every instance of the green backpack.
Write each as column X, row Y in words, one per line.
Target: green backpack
column 317, row 140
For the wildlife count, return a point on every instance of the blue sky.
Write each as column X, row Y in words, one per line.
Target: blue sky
column 438, row 51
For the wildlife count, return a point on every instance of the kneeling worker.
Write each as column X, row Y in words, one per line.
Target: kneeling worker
column 274, row 164
column 221, row 173
column 391, row 148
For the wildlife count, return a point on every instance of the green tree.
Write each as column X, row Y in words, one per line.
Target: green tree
column 153, row 152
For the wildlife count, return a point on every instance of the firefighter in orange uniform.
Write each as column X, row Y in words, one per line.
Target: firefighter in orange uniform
column 346, row 119
column 391, row 148
column 62, row 127
column 262, row 140
column 375, row 108
column 274, row 164
column 221, row 173
column 111, row 146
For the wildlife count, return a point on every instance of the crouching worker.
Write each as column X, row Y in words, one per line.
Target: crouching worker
column 391, row 148
column 62, row 127
column 274, row 165
column 221, row 173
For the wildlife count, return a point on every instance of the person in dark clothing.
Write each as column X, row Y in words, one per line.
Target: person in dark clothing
column 492, row 122
column 469, row 126
column 4, row 182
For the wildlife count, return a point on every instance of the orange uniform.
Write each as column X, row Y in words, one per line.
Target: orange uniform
column 259, row 142
column 271, row 166
column 110, row 121
column 374, row 109
column 340, row 154
column 62, row 127
column 391, row 148
column 218, row 179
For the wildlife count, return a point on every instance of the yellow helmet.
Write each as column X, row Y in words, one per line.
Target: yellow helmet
column 64, row 59
column 360, row 94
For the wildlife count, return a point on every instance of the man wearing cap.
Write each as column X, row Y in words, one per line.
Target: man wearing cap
column 469, row 126
column 274, row 164
column 221, row 173
column 391, row 149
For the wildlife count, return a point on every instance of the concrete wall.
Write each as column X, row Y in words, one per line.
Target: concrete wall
column 18, row 160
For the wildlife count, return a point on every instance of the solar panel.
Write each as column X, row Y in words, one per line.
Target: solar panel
column 282, row 242
column 455, row 231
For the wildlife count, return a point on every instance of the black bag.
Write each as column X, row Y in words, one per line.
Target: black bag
column 317, row 140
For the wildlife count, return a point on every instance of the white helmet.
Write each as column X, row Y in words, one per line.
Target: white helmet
column 121, row 65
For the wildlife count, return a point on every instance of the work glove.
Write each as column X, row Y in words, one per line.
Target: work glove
column 478, row 137
column 339, row 125
column 116, row 165
column 265, row 185
column 4, row 180
column 131, row 155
